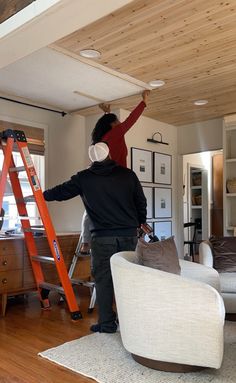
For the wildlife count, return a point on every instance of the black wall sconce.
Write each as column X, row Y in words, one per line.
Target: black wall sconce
column 154, row 141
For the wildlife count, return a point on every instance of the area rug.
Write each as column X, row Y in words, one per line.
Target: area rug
column 103, row 358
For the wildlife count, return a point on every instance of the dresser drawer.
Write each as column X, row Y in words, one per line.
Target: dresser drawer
column 11, row 246
column 11, row 280
column 11, row 262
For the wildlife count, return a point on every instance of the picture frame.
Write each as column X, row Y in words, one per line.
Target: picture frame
column 148, row 192
column 142, row 164
column 163, row 202
column 162, row 164
column 163, row 229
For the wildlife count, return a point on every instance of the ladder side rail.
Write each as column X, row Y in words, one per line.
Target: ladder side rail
column 75, row 258
column 25, row 223
column 7, row 150
column 49, row 229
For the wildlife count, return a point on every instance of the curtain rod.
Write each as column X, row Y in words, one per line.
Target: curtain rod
column 33, row 106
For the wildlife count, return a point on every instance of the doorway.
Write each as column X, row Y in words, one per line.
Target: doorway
column 202, row 197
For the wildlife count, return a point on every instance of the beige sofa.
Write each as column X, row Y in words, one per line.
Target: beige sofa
column 227, row 280
column 169, row 318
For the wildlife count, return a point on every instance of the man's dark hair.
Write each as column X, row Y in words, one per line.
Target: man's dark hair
column 102, row 126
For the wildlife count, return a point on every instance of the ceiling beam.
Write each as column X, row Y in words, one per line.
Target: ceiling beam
column 38, row 25
column 10, row 7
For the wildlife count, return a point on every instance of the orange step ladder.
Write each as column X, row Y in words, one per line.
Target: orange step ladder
column 8, row 139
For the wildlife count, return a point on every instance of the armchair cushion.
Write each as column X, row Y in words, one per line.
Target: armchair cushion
column 161, row 255
column 224, row 254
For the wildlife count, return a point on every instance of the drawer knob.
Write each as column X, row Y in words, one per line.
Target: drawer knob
column 4, row 263
column 4, row 281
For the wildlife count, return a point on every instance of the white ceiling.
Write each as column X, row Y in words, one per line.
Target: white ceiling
column 49, row 77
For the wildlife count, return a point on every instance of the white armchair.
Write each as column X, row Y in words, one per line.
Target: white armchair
column 227, row 280
column 169, row 318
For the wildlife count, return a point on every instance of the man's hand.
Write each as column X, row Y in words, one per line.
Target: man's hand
column 105, row 107
column 145, row 95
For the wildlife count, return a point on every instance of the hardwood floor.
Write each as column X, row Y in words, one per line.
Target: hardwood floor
column 27, row 330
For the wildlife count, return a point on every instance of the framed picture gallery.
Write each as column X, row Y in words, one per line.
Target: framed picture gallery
column 148, row 192
column 142, row 164
column 163, row 229
column 162, row 168
column 163, row 202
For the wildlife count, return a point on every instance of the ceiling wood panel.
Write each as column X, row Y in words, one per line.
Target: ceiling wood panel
column 9, row 8
column 189, row 44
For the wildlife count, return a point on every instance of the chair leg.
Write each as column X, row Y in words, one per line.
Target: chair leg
column 191, row 251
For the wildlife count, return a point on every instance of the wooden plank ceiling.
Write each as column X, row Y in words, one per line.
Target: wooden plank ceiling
column 9, row 8
column 190, row 44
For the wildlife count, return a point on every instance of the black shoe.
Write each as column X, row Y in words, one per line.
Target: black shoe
column 97, row 328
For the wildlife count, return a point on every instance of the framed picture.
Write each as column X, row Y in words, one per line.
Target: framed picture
column 148, row 192
column 141, row 164
column 163, row 229
column 163, row 202
column 162, row 168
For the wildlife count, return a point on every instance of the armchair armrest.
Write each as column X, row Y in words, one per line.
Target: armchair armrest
column 205, row 254
column 200, row 273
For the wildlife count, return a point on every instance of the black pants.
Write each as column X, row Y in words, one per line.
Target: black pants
column 102, row 249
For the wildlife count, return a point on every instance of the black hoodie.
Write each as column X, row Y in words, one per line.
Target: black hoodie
column 112, row 195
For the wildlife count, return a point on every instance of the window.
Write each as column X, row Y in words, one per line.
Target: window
column 11, row 219
column 35, row 139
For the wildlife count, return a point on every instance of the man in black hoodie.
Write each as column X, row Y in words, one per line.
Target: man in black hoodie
column 116, row 206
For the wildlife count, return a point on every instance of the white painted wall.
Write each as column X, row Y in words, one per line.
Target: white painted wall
column 137, row 137
column 64, row 155
column 200, row 136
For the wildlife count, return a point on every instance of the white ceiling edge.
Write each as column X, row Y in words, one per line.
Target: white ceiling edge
column 56, row 22
column 25, row 15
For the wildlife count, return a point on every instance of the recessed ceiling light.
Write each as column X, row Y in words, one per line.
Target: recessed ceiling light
column 156, row 83
column 90, row 53
column 200, row 102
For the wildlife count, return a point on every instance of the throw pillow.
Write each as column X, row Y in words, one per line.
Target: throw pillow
column 160, row 255
column 224, row 254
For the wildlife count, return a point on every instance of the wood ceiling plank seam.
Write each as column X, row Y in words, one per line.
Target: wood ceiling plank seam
column 177, row 29
column 145, row 55
column 192, row 64
column 121, row 17
column 173, row 26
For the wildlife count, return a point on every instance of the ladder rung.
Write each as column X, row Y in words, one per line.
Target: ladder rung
column 29, row 198
column 34, row 231
column 81, row 282
column 17, row 169
column 40, row 258
column 50, row 286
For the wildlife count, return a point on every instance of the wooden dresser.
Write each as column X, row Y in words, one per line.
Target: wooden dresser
column 16, row 275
